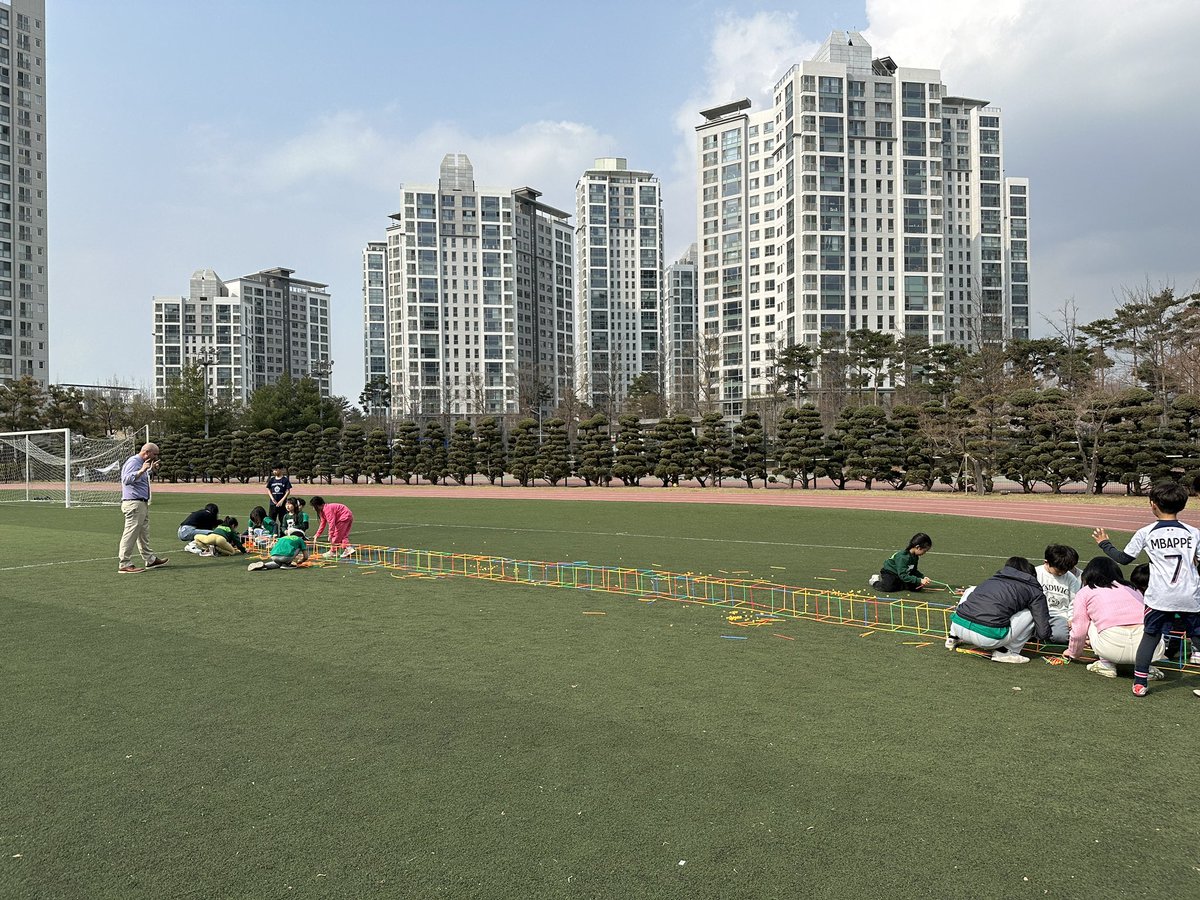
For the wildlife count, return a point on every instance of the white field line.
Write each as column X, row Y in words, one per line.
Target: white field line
column 670, row 537
column 60, row 562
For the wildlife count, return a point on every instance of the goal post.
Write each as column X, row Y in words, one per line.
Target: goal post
column 57, row 466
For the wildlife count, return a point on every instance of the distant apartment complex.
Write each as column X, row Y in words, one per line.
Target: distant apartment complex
column 865, row 197
column 473, row 314
column 619, row 241
column 24, row 298
column 245, row 333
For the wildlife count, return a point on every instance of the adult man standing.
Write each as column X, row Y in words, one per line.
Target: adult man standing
column 135, row 498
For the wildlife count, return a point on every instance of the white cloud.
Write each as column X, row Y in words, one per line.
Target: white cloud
column 1095, row 95
column 746, row 57
column 349, row 147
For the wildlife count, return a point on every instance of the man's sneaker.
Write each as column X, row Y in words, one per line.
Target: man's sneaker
column 1140, row 690
column 156, row 562
column 1103, row 667
column 1157, row 674
column 130, row 570
column 348, row 552
column 1005, row 657
column 256, row 566
column 874, row 580
column 951, row 642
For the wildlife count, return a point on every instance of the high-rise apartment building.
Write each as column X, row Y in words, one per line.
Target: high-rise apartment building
column 864, row 197
column 375, row 312
column 681, row 315
column 619, row 239
column 477, row 294
column 24, row 297
column 245, row 333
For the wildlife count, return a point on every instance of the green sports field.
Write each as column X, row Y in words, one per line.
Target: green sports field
column 201, row 731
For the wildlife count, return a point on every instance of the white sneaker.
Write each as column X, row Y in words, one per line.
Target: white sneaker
column 256, row 566
column 1157, row 674
column 1006, row 657
column 1196, row 657
column 951, row 642
column 1108, row 670
column 192, row 548
column 874, row 580
column 348, row 552
column 208, row 552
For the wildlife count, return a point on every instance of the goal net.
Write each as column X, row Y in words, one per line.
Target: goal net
column 56, row 466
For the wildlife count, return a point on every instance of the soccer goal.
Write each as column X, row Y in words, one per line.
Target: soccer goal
column 56, row 466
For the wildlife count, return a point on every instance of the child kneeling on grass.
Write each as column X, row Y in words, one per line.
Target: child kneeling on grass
column 287, row 552
column 1002, row 613
column 900, row 572
column 223, row 540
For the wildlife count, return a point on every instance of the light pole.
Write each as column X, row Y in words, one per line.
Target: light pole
column 321, row 369
column 205, row 359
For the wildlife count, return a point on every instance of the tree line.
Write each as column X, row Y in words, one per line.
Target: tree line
column 1039, row 438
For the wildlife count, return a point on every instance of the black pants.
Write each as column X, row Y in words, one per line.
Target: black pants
column 889, row 583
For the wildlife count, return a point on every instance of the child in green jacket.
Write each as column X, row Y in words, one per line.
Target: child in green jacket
column 224, row 540
column 900, row 572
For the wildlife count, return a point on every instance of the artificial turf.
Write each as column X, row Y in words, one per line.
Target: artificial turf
column 200, row 731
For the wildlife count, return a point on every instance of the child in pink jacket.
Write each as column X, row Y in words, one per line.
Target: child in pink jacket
column 337, row 519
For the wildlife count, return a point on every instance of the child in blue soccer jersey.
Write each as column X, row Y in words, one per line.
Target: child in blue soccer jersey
column 1173, row 595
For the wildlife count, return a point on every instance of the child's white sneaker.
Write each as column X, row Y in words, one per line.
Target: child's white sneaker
column 192, row 548
column 951, row 642
column 256, row 566
column 347, row 553
column 1105, row 668
column 874, row 580
column 1157, row 674
column 1196, row 657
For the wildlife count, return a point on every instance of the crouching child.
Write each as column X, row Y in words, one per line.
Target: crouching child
column 287, row 552
column 1002, row 613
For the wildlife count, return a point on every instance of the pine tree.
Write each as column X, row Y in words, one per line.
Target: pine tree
column 554, row 456
column 490, row 447
column 301, row 454
column 831, row 463
column 714, row 449
column 786, row 463
column 405, row 449
column 808, row 443
column 522, row 451
column 172, row 467
column 461, row 461
column 377, row 456
column 629, row 460
column 432, row 463
column 594, row 451
column 663, row 464
column 329, row 451
column 352, row 462
column 241, row 459
column 264, row 451
column 687, row 448
column 221, row 448
column 916, row 460
column 749, row 449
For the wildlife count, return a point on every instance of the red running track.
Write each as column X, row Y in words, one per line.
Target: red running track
column 1112, row 513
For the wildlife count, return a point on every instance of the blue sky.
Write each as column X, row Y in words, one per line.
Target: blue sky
column 241, row 136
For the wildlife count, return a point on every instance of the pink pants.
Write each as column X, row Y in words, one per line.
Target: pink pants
column 339, row 531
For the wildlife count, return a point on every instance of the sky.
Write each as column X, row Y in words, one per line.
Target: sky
column 240, row 136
